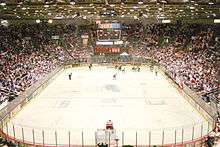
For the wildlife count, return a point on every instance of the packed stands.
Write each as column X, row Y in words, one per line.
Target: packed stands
column 191, row 54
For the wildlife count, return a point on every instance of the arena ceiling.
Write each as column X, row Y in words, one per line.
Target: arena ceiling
column 122, row 10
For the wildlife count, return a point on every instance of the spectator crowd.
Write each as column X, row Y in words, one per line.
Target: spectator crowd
column 195, row 61
column 191, row 56
column 190, row 53
column 29, row 52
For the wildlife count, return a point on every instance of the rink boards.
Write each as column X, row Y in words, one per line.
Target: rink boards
column 145, row 109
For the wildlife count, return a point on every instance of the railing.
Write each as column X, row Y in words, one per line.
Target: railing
column 13, row 107
column 193, row 98
column 181, row 136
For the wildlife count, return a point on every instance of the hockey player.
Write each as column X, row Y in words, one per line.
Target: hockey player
column 138, row 69
column 70, row 76
column 90, row 66
column 109, row 125
column 114, row 76
column 123, row 70
column 156, row 72
column 120, row 68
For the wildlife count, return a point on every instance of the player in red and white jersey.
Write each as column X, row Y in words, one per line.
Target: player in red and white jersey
column 109, row 125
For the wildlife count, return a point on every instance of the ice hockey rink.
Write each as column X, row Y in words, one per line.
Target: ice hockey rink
column 143, row 107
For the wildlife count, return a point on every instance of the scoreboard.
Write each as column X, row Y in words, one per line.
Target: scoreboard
column 105, row 50
column 108, row 31
column 109, row 26
column 108, row 34
column 108, row 38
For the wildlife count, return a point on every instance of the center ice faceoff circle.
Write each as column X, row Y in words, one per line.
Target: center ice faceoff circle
column 112, row 88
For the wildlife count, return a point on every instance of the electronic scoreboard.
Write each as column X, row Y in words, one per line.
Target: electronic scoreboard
column 108, row 38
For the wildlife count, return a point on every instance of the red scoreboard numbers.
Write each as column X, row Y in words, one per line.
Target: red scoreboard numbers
column 115, row 50
column 107, row 50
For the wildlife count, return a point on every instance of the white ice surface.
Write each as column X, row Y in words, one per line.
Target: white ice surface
column 135, row 101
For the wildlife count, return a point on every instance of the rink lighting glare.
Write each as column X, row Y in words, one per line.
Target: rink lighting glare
column 216, row 20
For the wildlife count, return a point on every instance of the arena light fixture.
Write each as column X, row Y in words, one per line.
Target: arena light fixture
column 4, row 23
column 135, row 7
column 3, row 4
column 37, row 20
column 145, row 15
column 50, row 21
column 166, row 21
column 163, row 1
column 161, row 16
column 73, row 16
column 135, row 17
column 216, row 20
column 59, row 17
column 140, row 2
column 72, row 3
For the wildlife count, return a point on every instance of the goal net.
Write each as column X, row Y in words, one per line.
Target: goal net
column 104, row 136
